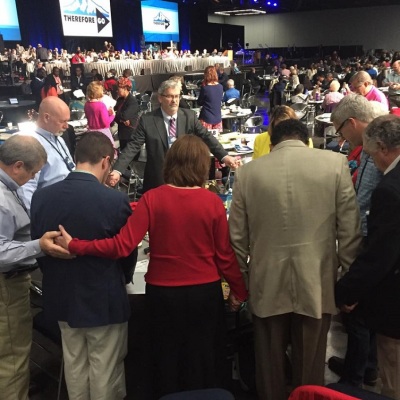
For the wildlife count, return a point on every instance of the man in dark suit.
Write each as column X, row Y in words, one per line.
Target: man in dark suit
column 373, row 282
column 158, row 130
column 87, row 295
column 78, row 81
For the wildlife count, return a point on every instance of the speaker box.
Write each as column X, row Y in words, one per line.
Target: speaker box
column 145, row 71
column 188, row 68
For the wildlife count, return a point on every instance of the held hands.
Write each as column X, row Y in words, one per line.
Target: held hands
column 113, row 178
column 49, row 245
column 63, row 239
column 111, row 111
column 234, row 303
column 232, row 162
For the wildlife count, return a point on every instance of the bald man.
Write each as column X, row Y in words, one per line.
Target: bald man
column 361, row 83
column 52, row 122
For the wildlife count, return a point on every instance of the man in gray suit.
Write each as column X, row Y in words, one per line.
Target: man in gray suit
column 158, row 130
column 289, row 209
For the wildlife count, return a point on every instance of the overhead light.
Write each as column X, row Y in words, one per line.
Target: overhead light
column 248, row 11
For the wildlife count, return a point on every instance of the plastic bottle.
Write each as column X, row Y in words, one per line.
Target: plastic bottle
column 228, row 201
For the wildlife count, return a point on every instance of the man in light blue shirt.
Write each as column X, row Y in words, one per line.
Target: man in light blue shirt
column 21, row 157
column 231, row 92
column 53, row 119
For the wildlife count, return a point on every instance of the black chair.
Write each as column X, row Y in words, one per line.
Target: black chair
column 49, row 330
column 301, row 110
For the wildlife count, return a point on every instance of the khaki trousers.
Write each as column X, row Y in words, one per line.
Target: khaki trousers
column 15, row 337
column 389, row 365
column 94, row 361
column 308, row 337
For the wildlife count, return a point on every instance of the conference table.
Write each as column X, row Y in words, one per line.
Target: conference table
column 169, row 66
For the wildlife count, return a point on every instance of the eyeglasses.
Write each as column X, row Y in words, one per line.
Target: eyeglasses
column 171, row 96
column 338, row 133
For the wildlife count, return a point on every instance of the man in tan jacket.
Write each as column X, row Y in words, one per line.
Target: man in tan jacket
column 294, row 220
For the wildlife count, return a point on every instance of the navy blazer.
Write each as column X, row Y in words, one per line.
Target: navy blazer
column 85, row 291
column 374, row 277
column 152, row 131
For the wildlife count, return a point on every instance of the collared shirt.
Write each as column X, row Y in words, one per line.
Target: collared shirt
column 167, row 119
column 393, row 165
column 368, row 178
column 16, row 246
column 393, row 78
column 53, row 171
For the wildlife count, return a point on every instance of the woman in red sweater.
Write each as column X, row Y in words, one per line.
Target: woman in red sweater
column 98, row 116
column 190, row 250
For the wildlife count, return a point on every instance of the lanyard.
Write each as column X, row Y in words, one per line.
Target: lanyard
column 69, row 164
column 16, row 197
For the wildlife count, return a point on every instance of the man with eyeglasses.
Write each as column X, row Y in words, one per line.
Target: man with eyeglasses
column 350, row 118
column 361, row 83
column 393, row 81
column 158, row 130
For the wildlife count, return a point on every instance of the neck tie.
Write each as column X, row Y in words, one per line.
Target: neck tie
column 172, row 128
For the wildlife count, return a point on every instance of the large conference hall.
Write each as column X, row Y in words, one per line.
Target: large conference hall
column 236, row 234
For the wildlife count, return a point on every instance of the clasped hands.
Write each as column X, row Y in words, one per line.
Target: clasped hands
column 55, row 243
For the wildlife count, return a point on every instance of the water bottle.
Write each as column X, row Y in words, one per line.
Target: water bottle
column 343, row 91
column 228, row 201
column 317, row 96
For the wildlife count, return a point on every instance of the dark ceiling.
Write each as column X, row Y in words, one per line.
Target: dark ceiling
column 284, row 6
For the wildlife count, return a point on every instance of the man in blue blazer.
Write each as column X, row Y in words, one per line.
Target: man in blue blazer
column 154, row 130
column 87, row 295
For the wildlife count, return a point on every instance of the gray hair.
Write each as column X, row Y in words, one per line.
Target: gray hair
column 230, row 83
column 23, row 148
column 353, row 106
column 170, row 84
column 385, row 129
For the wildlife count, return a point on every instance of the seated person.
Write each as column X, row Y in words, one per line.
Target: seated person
column 231, row 92
column 333, row 97
column 262, row 143
column 128, row 74
column 78, row 81
column 298, row 95
column 235, row 69
column 254, row 80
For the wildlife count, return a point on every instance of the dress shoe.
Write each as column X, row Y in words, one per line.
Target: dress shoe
column 336, row 365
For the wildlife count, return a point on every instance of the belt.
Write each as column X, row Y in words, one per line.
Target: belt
column 20, row 270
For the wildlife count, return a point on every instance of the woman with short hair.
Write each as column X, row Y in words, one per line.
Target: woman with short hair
column 98, row 116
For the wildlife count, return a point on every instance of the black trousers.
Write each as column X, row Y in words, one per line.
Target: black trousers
column 186, row 330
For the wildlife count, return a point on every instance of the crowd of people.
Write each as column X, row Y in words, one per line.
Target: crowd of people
column 292, row 233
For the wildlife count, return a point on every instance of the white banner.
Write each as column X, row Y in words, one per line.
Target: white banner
column 86, row 18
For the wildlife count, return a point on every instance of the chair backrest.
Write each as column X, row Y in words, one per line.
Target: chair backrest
column 204, row 394
column 255, row 120
column 311, row 392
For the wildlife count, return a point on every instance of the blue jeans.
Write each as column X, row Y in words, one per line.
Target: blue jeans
column 361, row 354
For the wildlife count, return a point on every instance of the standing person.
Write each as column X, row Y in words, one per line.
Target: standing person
column 372, row 284
column 59, row 82
column 126, row 112
column 78, row 80
column 36, row 86
column 52, row 121
column 128, row 74
column 49, row 87
column 87, row 295
column 183, row 298
column 98, row 117
column 351, row 118
column 158, row 129
column 393, row 81
column 210, row 98
column 21, row 157
column 287, row 251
